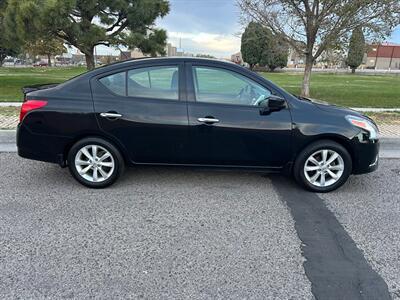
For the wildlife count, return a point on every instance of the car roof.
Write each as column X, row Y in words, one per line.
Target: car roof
column 172, row 59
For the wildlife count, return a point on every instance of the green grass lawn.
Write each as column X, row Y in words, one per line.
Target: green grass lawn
column 346, row 90
column 13, row 79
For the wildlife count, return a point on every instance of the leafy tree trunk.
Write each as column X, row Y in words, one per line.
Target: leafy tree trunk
column 2, row 58
column 49, row 60
column 305, row 91
column 89, row 56
column 353, row 70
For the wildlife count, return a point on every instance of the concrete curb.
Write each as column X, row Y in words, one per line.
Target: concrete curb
column 7, row 104
column 371, row 109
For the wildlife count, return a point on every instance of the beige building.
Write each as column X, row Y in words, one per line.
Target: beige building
column 237, row 58
column 136, row 53
column 170, row 50
column 383, row 57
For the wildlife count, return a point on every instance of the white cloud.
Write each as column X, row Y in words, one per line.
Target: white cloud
column 203, row 42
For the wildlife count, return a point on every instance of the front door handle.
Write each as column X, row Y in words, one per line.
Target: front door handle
column 208, row 120
column 110, row 115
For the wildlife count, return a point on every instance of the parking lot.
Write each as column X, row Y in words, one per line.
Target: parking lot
column 186, row 234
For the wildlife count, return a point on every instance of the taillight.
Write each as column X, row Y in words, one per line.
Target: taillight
column 29, row 105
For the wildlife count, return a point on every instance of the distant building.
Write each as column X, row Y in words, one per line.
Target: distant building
column 124, row 55
column 237, row 58
column 295, row 59
column 331, row 58
column 137, row 53
column 170, row 50
column 383, row 57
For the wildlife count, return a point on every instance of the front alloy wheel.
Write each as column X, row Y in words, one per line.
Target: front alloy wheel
column 323, row 166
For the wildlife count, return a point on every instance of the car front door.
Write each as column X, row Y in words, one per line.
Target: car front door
column 227, row 120
column 144, row 109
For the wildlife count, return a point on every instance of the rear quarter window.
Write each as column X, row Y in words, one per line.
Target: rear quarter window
column 116, row 83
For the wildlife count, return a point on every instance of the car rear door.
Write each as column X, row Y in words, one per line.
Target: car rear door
column 143, row 108
column 225, row 128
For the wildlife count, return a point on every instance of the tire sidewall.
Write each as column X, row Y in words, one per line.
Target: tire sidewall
column 308, row 151
column 118, row 168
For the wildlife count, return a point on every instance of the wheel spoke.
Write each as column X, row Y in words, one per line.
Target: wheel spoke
column 313, row 160
column 103, row 173
column 85, row 170
column 332, row 158
column 336, row 168
column 94, row 151
column 86, row 153
column 314, row 178
column 106, row 164
column 104, row 156
column 322, row 180
column 82, row 162
column 307, row 168
column 324, row 156
column 333, row 175
column 95, row 175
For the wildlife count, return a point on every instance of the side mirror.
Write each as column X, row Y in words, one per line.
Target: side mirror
column 275, row 103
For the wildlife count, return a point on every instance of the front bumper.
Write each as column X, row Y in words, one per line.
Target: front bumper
column 365, row 156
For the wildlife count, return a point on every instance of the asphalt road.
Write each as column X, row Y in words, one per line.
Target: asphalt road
column 176, row 233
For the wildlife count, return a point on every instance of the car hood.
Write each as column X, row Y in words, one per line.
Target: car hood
column 325, row 106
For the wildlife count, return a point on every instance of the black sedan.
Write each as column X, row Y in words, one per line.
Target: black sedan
column 191, row 112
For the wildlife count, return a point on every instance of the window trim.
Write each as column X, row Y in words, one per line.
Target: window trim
column 191, row 70
column 181, row 80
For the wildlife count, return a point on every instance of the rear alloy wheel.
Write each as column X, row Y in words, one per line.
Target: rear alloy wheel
column 95, row 163
column 323, row 166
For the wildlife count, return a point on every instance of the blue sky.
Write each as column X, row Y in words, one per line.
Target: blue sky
column 204, row 26
column 209, row 27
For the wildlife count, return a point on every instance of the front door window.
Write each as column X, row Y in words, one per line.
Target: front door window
column 222, row 86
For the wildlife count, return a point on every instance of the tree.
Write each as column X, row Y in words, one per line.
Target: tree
column 275, row 51
column 85, row 24
column 261, row 46
column 47, row 46
column 356, row 49
column 8, row 47
column 312, row 26
column 252, row 44
column 275, row 56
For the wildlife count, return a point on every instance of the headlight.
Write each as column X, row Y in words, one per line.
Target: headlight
column 364, row 124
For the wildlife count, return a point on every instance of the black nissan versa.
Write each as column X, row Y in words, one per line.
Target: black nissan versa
column 191, row 112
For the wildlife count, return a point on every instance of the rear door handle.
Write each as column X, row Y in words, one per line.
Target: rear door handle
column 110, row 115
column 208, row 120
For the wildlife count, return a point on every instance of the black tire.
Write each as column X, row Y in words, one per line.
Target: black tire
column 118, row 160
column 298, row 170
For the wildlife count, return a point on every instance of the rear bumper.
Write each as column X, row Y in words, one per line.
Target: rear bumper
column 365, row 156
column 47, row 148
